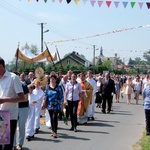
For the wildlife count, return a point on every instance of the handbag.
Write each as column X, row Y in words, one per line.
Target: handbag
column 4, row 127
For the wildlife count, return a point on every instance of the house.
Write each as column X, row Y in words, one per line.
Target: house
column 73, row 59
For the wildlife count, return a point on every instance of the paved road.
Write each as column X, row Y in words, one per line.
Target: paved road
column 118, row 130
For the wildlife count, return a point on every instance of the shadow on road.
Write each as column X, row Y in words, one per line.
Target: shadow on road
column 66, row 136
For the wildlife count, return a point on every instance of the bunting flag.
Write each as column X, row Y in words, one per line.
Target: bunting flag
column 77, row 2
column 108, row 3
column 93, row 2
column 93, row 36
column 100, row 3
column 116, row 4
column 132, row 4
column 60, row 1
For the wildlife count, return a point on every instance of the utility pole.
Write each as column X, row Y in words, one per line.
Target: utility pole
column 41, row 35
column 93, row 59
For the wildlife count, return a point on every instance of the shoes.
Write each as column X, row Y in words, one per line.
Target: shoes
column 54, row 135
column 32, row 136
column 71, row 129
column 88, row 118
column 29, row 137
column 19, row 147
column 92, row 118
column 37, row 131
column 103, row 111
column 75, row 130
column 147, row 133
column 108, row 112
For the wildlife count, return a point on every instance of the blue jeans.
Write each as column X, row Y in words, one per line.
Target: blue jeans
column 22, row 118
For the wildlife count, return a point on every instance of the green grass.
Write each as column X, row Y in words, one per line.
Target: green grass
column 143, row 143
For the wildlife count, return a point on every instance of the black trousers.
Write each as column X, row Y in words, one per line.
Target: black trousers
column 13, row 125
column 73, row 106
column 54, row 119
column 147, row 119
column 108, row 99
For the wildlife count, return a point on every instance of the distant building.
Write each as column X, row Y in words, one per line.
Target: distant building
column 102, row 58
column 73, row 59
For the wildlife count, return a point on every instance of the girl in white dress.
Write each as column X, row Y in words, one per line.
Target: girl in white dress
column 31, row 114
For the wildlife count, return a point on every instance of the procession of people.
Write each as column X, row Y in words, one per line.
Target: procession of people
column 77, row 94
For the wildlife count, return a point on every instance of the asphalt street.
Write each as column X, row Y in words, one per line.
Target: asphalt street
column 119, row 130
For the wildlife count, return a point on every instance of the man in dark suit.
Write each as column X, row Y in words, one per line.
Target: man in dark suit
column 106, row 90
column 30, row 78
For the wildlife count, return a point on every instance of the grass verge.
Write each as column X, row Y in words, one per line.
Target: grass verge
column 143, row 143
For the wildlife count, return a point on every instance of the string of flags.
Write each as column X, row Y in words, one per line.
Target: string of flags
column 105, row 50
column 100, row 34
column 107, row 2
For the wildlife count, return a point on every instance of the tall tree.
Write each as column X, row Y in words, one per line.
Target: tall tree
column 146, row 56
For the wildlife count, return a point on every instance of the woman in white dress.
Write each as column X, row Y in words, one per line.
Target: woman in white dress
column 128, row 89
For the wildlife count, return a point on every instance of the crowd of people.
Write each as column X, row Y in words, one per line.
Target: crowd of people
column 24, row 98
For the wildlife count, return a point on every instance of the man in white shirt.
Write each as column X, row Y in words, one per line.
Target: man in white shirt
column 11, row 93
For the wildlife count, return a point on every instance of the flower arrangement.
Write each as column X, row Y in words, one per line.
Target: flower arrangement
column 64, row 117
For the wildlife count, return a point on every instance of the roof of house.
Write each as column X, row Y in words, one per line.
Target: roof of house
column 76, row 57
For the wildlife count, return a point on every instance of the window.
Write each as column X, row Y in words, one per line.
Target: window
column 68, row 62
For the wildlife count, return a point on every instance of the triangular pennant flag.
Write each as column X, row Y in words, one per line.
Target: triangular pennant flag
column 108, row 3
column 68, row 1
column 28, row 0
column 140, row 4
column 60, row 1
column 77, row 2
column 53, row 1
column 132, row 4
column 45, row 1
column 148, row 5
column 116, row 4
column 125, row 4
column 37, row 0
column 93, row 2
column 100, row 3
column 84, row 1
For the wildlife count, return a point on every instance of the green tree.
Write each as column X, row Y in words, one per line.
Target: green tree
column 107, row 64
column 131, row 63
column 146, row 56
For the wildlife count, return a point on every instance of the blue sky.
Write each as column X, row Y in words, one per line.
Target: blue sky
column 19, row 23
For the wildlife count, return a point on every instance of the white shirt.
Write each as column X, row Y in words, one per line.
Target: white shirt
column 10, row 86
column 145, row 82
column 137, row 86
column 40, row 95
column 93, row 83
column 32, row 97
